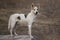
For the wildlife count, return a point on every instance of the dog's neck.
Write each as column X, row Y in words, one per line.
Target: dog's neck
column 31, row 15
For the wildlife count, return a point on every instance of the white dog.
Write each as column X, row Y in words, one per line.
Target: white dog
column 21, row 18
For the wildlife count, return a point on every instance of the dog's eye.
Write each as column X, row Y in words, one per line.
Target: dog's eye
column 34, row 9
column 37, row 9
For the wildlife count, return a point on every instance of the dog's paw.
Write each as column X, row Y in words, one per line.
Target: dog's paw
column 16, row 34
column 31, row 36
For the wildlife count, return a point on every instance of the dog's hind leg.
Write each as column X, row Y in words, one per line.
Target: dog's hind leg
column 12, row 26
column 15, row 29
column 15, row 32
column 11, row 32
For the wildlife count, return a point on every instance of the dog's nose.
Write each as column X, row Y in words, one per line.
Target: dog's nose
column 36, row 13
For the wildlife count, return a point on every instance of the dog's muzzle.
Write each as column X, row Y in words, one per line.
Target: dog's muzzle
column 36, row 13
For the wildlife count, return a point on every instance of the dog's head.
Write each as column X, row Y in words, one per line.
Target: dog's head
column 34, row 9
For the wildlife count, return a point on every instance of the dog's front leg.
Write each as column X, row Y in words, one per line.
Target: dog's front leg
column 29, row 32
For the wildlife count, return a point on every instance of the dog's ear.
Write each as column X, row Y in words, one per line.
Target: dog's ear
column 32, row 5
column 38, row 5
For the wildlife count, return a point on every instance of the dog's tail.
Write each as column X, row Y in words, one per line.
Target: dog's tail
column 9, row 24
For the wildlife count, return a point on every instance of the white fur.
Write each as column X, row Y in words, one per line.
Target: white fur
column 12, row 20
column 29, row 19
